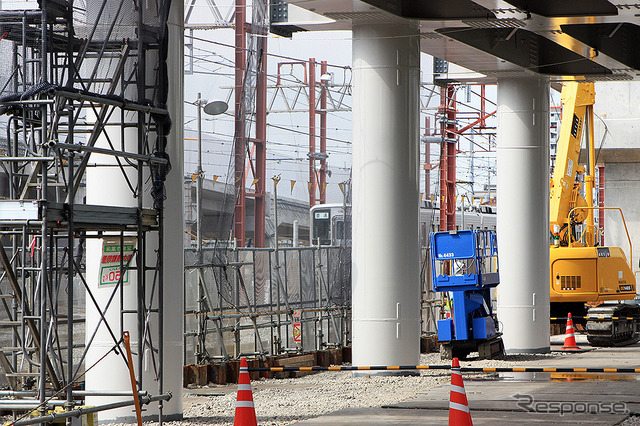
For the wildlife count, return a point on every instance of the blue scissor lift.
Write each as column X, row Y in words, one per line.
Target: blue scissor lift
column 465, row 264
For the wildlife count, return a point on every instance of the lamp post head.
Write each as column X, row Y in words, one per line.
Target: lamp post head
column 216, row 108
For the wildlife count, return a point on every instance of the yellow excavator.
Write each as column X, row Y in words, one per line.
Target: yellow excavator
column 587, row 279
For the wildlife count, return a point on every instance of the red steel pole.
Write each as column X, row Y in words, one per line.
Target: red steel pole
column 323, row 135
column 240, row 140
column 312, row 132
column 261, row 146
column 448, row 158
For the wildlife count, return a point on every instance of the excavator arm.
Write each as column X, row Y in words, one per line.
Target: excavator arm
column 578, row 100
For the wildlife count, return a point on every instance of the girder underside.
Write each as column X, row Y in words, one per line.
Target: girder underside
column 591, row 39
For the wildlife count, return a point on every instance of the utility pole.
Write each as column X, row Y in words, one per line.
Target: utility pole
column 448, row 130
column 199, row 181
column 313, row 183
column 240, row 115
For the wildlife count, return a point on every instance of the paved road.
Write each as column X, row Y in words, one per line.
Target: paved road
column 541, row 398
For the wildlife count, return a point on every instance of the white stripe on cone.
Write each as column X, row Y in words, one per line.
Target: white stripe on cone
column 244, row 404
column 459, row 407
column 244, row 387
column 458, row 389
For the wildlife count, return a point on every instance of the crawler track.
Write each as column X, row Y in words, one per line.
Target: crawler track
column 613, row 325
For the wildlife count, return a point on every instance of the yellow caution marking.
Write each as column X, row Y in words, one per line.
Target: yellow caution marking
column 277, row 369
column 610, row 370
column 580, row 370
column 364, row 368
column 393, row 367
column 489, row 370
column 520, row 370
column 336, row 368
column 549, row 370
column 422, row 367
column 305, row 369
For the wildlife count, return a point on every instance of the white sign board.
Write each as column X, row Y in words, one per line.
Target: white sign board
column 115, row 256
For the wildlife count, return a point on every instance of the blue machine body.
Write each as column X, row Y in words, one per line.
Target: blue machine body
column 465, row 263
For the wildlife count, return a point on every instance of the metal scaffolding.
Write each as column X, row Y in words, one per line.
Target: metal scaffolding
column 77, row 69
column 266, row 301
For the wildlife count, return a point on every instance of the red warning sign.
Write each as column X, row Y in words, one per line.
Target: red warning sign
column 297, row 326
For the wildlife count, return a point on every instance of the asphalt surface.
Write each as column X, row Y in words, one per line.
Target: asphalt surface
column 525, row 398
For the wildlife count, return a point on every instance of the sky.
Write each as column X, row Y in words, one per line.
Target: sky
column 287, row 133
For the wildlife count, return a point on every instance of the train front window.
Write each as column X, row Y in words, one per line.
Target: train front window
column 339, row 230
column 322, row 227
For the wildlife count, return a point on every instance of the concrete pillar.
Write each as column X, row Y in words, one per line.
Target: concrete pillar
column 523, row 214
column 386, row 287
column 172, row 328
column 107, row 186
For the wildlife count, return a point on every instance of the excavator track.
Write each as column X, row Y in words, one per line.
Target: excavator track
column 613, row 325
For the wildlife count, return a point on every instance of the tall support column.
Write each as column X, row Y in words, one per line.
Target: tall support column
column 385, row 281
column 448, row 150
column 239, row 220
column 523, row 213
column 261, row 146
column 313, row 183
column 323, row 135
column 173, row 289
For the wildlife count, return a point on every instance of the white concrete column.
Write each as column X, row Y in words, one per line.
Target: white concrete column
column 107, row 186
column 523, row 214
column 386, row 288
column 174, row 220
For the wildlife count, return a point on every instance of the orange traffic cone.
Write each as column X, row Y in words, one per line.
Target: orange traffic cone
column 459, row 414
column 245, row 411
column 569, row 337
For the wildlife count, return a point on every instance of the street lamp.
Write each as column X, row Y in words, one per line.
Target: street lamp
column 211, row 108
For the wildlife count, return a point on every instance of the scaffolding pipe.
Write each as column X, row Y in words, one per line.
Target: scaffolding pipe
column 81, row 411
column 77, row 394
column 115, row 153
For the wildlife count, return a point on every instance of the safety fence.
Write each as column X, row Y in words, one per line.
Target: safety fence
column 248, row 301
column 265, row 301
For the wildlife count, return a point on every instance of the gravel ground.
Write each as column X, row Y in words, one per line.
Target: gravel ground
column 287, row 401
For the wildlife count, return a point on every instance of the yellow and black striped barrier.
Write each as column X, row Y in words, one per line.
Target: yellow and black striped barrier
column 448, row 367
column 594, row 317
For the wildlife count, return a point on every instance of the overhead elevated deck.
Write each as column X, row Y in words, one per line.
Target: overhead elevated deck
column 499, row 39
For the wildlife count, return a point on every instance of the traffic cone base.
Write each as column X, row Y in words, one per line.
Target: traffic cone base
column 459, row 414
column 245, row 411
column 570, row 337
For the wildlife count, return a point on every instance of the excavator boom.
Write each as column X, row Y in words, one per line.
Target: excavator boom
column 580, row 272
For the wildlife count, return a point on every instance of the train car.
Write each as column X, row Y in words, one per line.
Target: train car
column 328, row 224
column 331, row 223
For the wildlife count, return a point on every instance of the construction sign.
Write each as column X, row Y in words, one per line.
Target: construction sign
column 297, row 326
column 115, row 257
